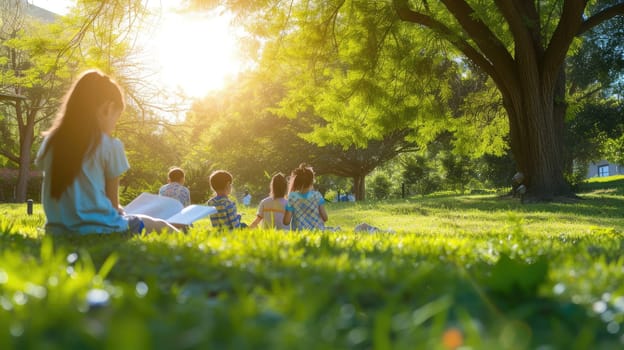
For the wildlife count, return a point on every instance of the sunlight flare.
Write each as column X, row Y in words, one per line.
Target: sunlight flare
column 196, row 53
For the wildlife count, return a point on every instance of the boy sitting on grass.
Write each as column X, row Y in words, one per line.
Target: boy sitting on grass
column 175, row 187
column 226, row 216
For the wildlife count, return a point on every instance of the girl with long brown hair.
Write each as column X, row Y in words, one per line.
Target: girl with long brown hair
column 272, row 208
column 82, row 163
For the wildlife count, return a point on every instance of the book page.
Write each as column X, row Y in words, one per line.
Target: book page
column 154, row 205
column 191, row 213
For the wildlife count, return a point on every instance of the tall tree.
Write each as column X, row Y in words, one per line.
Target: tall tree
column 30, row 72
column 520, row 45
column 38, row 60
column 357, row 162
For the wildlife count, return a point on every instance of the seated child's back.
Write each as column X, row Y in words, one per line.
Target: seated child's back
column 226, row 216
column 272, row 208
column 175, row 187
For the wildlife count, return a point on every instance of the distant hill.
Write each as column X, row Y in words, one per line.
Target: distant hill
column 39, row 13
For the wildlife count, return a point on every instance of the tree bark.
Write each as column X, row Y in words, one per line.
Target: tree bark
column 359, row 187
column 21, row 188
column 26, row 139
column 536, row 116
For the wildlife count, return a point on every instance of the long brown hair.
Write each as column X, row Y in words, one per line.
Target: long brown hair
column 278, row 186
column 76, row 132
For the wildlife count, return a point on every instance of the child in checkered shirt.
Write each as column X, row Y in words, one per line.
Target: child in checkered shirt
column 306, row 207
column 226, row 216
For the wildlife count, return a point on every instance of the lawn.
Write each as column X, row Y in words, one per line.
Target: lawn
column 456, row 272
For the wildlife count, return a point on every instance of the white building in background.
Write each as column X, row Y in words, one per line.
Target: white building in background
column 603, row 168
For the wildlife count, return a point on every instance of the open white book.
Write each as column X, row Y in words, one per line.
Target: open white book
column 168, row 209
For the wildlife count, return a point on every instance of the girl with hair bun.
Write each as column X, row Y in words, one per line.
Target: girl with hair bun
column 306, row 207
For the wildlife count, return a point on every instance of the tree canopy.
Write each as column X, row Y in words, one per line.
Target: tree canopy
column 521, row 47
column 344, row 84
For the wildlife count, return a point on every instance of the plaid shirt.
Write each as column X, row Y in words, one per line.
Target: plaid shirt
column 226, row 217
column 305, row 210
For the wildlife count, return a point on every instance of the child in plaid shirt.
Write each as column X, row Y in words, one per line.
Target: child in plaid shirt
column 306, row 207
column 226, row 216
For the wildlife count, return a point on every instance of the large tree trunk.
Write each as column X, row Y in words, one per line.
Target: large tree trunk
column 531, row 79
column 359, row 187
column 536, row 118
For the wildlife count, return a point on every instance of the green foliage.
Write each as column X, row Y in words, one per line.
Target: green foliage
column 440, row 169
column 381, row 186
column 593, row 124
column 241, row 120
column 364, row 75
column 331, row 195
column 599, row 59
column 229, row 126
column 151, row 151
column 419, row 175
column 479, row 123
column 33, row 68
column 458, row 171
column 614, row 150
column 592, row 133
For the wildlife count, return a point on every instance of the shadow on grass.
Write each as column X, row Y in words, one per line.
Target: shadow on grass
column 613, row 187
column 593, row 208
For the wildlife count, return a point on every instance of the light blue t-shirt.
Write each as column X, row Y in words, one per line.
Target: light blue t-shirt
column 84, row 207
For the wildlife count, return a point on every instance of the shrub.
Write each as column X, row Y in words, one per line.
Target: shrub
column 381, row 187
column 330, row 195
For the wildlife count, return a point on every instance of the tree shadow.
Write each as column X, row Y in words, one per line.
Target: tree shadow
column 613, row 187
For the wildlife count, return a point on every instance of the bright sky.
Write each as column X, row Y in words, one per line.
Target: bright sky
column 57, row 6
column 196, row 52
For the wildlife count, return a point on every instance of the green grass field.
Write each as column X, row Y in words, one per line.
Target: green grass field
column 459, row 272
